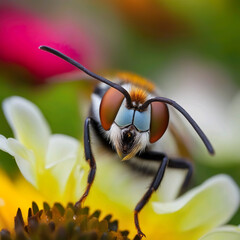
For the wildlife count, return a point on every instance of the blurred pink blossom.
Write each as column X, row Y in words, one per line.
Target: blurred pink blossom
column 22, row 32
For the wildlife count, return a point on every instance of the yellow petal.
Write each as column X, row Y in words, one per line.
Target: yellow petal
column 14, row 195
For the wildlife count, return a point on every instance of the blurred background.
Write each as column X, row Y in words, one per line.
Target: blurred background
column 190, row 49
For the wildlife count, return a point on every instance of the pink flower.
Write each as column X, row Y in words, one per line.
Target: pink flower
column 23, row 32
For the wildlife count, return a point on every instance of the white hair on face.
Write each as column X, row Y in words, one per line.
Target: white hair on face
column 114, row 135
column 140, row 143
column 142, row 140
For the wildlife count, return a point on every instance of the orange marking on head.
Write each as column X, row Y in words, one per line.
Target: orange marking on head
column 136, row 80
column 138, row 95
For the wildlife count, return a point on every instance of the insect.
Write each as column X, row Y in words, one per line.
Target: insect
column 129, row 118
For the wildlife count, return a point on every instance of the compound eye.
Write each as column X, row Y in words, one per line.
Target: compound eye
column 159, row 120
column 142, row 120
column 109, row 107
column 124, row 116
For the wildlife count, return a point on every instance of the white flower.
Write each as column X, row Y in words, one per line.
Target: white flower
column 55, row 165
column 50, row 162
column 189, row 217
column 223, row 233
column 201, row 209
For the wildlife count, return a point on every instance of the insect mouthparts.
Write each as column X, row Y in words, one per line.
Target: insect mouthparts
column 127, row 141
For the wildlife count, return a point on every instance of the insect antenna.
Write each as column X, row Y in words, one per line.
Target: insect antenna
column 186, row 115
column 88, row 72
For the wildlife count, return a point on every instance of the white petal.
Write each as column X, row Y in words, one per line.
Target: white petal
column 223, row 233
column 4, row 146
column 24, row 158
column 28, row 124
column 61, row 147
column 79, row 174
column 80, row 184
column 62, row 171
column 211, row 204
column 171, row 184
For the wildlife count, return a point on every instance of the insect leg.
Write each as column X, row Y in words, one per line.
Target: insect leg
column 90, row 159
column 180, row 163
column 153, row 187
